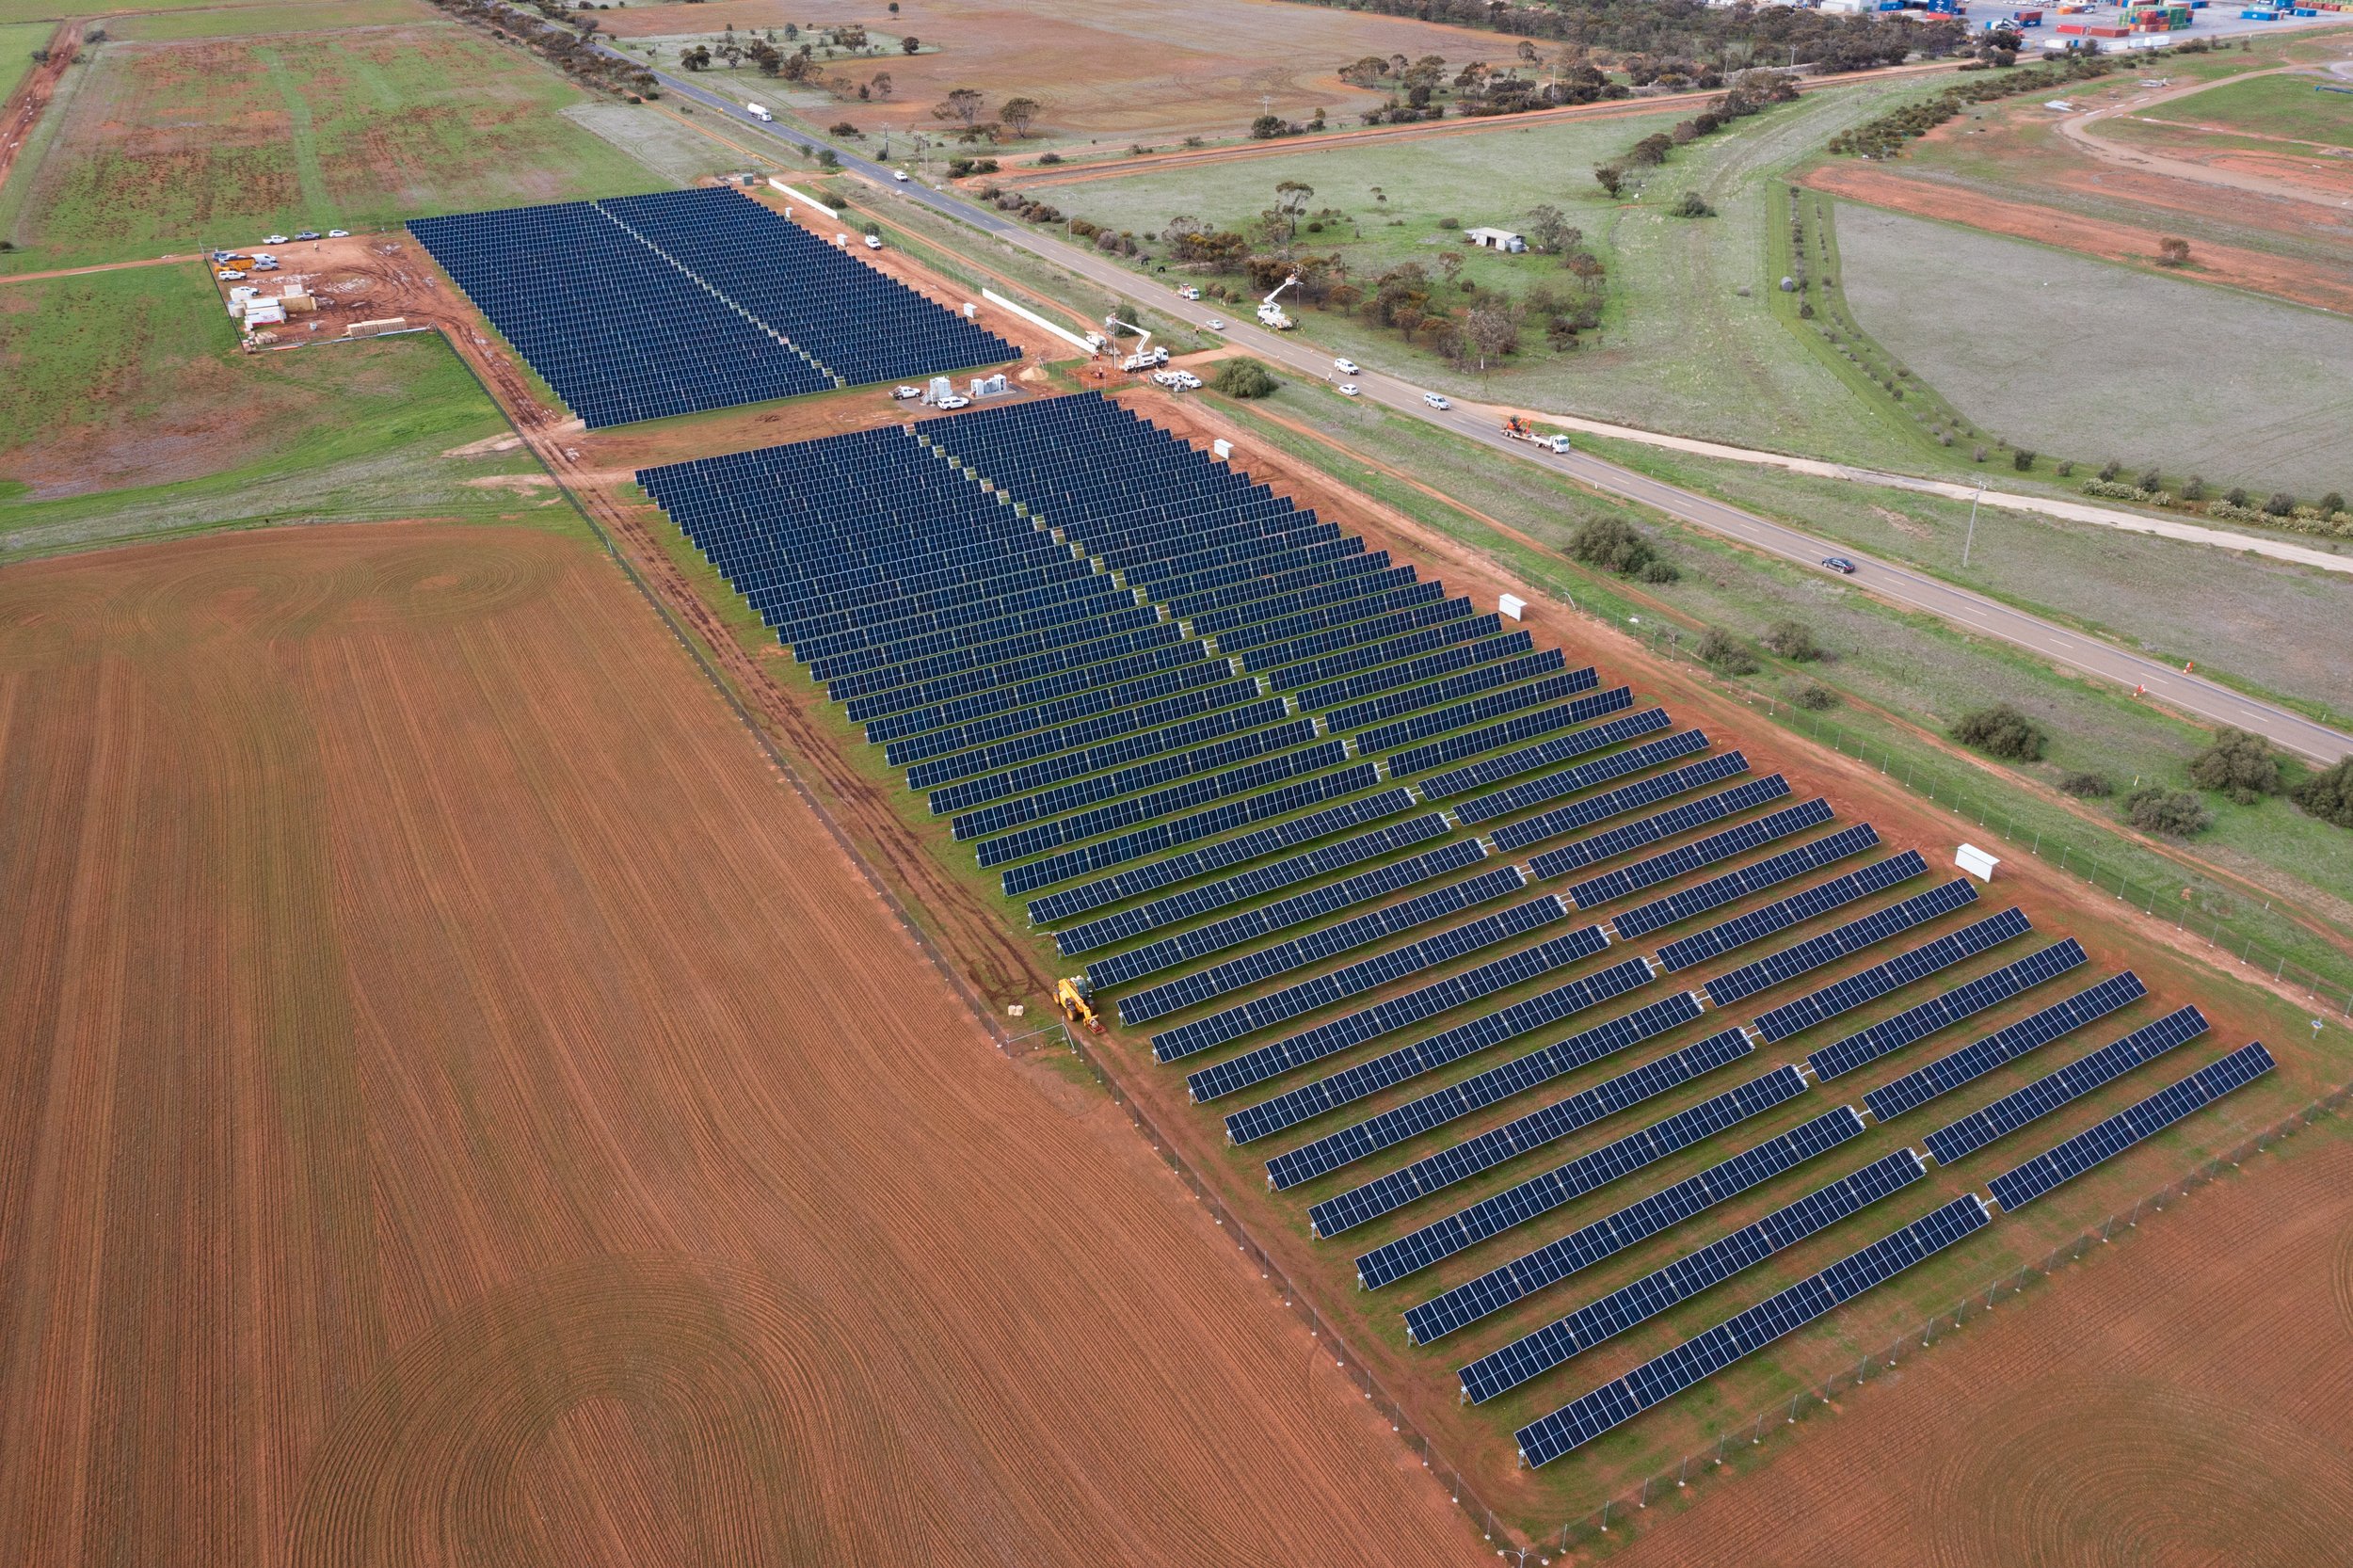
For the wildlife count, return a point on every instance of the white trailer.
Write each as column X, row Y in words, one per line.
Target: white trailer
column 761, row 113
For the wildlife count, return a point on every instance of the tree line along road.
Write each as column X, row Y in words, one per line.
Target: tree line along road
column 2183, row 690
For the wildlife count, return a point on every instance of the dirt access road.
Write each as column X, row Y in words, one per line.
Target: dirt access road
column 2082, row 129
column 461, row 1109
column 22, row 110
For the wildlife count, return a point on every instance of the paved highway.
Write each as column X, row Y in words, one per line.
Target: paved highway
column 2183, row 690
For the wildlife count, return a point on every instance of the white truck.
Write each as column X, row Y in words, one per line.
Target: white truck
column 1270, row 315
column 1517, row 429
column 761, row 113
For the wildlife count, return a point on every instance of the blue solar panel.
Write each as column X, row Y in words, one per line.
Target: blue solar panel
column 2021, row 1185
column 1560, row 749
column 1600, row 807
column 1251, row 969
column 2072, row 1082
column 1797, row 909
column 1456, row 1100
column 1474, row 1155
column 1282, row 914
column 1417, row 712
column 1950, row 1071
column 1511, row 731
column 680, row 301
column 1356, row 1028
column 1689, row 1275
column 1645, row 831
column 1697, row 1359
column 1541, row 1195
column 1964, row 1002
column 1898, row 973
column 1357, row 979
column 1485, row 650
column 1833, row 945
column 1554, row 1261
column 1051, row 766
column 1627, row 880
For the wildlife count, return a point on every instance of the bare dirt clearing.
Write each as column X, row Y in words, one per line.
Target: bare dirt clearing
column 461, row 1109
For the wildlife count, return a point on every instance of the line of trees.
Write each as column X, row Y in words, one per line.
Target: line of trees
column 1725, row 36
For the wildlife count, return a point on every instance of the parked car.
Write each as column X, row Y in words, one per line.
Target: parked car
column 1346, row 367
column 874, row 242
column 339, row 234
column 275, row 239
column 227, row 274
column 265, row 267
column 958, row 401
column 1347, row 389
column 1189, row 292
column 1436, row 400
column 906, row 391
column 220, row 256
column 306, row 233
column 1215, row 324
column 1839, row 564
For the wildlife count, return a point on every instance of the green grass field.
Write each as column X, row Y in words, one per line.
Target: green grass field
column 57, row 10
column 2025, row 340
column 2272, row 107
column 161, row 147
column 157, row 426
column 281, row 18
column 18, row 40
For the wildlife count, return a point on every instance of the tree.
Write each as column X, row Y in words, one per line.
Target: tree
column 732, row 53
column 1407, row 321
column 1651, row 151
column 1609, row 177
column 909, row 44
column 2281, row 504
column 962, row 105
column 2174, row 813
column 1346, row 296
column 1793, row 639
column 2327, row 794
column 881, row 86
column 2172, row 252
column 1815, row 696
column 2003, row 731
column 1692, row 205
column 1724, row 654
column 1290, row 201
column 1550, row 230
column 1266, row 127
column 1018, row 112
column 1244, row 378
column 2085, row 784
column 697, row 58
column 1613, row 544
column 2237, row 764
column 1491, row 334
column 2022, row 459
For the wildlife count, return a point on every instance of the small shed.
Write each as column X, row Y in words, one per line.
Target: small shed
column 1495, row 239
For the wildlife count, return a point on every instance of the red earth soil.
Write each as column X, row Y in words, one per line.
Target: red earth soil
column 2116, row 242
column 459, row 1107
column 2182, row 1398
column 23, row 109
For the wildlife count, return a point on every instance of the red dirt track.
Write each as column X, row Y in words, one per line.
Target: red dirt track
column 460, row 1108
column 2199, row 1410
column 21, row 111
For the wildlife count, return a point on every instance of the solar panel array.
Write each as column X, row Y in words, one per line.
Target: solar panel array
column 1939, row 1013
column 1949, row 1072
column 1451, row 1103
column 1153, row 693
column 2072, row 1082
column 1690, row 1274
column 1587, row 1245
column 1796, row 909
column 1852, row 992
column 640, row 307
column 1697, row 1359
column 1515, row 1205
column 2021, row 1185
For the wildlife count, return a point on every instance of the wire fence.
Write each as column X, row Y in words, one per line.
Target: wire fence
column 1739, row 1443
column 2322, row 992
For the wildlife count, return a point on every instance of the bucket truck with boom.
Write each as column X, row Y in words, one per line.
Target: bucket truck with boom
column 1270, row 315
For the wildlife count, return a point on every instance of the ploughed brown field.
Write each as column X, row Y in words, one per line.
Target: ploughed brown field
column 2196, row 1411
column 457, row 1105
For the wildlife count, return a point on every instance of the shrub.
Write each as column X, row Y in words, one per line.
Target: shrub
column 1721, row 651
column 2331, row 504
column 1244, row 378
column 1977, row 456
column 2066, row 469
column 2281, row 504
column 1692, row 205
column 2086, row 785
column 1049, row 157
column 2327, row 794
column 1655, row 570
column 1815, row 696
column 1613, row 544
column 1450, row 223
column 2239, row 765
column 2174, row 813
column 2003, row 731
column 2022, row 459
column 1793, row 639
column 2110, row 469
column 2193, row 488
column 2234, row 496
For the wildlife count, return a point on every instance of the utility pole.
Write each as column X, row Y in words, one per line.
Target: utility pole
column 1972, row 539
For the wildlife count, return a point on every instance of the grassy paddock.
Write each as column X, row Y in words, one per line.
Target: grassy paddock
column 165, row 146
column 280, row 18
column 2053, row 349
column 2270, row 106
